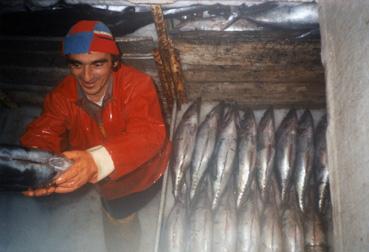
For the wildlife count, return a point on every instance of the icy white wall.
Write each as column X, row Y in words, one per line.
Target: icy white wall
column 345, row 54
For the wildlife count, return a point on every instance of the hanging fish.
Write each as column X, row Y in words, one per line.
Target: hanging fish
column 315, row 234
column 201, row 221
column 271, row 230
column 285, row 152
column 184, row 145
column 292, row 226
column 271, row 227
column 248, row 228
column 175, row 239
column 204, row 148
column 225, row 223
column 304, row 157
column 321, row 164
column 265, row 151
column 22, row 168
column 225, row 154
column 246, row 156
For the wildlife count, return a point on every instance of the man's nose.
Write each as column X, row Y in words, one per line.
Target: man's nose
column 86, row 74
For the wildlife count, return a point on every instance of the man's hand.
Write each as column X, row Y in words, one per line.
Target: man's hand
column 40, row 192
column 82, row 171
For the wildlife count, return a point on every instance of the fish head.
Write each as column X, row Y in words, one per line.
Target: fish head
column 321, row 129
column 59, row 163
column 216, row 114
column 305, row 130
column 230, row 114
column 289, row 122
column 248, row 122
column 193, row 111
column 266, row 128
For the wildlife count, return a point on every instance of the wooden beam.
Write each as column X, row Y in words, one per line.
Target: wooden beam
column 261, row 95
column 277, row 73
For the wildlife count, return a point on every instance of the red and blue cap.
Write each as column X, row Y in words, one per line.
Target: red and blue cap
column 89, row 36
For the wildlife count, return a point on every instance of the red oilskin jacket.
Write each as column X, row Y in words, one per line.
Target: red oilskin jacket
column 131, row 129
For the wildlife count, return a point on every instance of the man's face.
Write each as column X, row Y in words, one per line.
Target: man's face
column 93, row 71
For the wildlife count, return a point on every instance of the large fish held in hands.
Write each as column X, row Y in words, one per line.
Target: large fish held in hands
column 265, row 151
column 23, row 168
column 304, row 157
column 285, row 152
column 246, row 155
column 204, row 148
column 184, row 145
column 321, row 164
column 225, row 154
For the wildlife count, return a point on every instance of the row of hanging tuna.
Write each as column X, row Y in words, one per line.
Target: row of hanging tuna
column 239, row 185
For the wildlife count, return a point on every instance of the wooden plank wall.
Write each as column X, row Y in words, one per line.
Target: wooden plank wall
column 254, row 68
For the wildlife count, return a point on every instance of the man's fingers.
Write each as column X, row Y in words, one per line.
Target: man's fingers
column 69, row 184
column 66, row 176
column 64, row 189
column 50, row 190
column 39, row 192
column 43, row 191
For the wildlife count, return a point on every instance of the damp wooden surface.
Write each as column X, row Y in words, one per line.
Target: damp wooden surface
column 254, row 69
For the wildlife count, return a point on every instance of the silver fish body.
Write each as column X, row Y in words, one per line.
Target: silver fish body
column 321, row 164
column 248, row 228
column 175, row 228
column 201, row 224
column 285, row 152
column 22, row 168
column 315, row 236
column 225, row 153
column 176, row 224
column 271, row 231
column 184, row 145
column 293, row 230
column 204, row 148
column 225, row 224
column 246, row 156
column 286, row 15
column 265, row 151
column 304, row 157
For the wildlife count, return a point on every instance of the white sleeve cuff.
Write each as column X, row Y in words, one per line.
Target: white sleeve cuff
column 103, row 161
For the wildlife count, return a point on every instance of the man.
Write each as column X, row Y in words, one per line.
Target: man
column 107, row 115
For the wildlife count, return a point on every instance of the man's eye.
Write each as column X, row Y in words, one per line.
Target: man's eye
column 98, row 64
column 75, row 65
